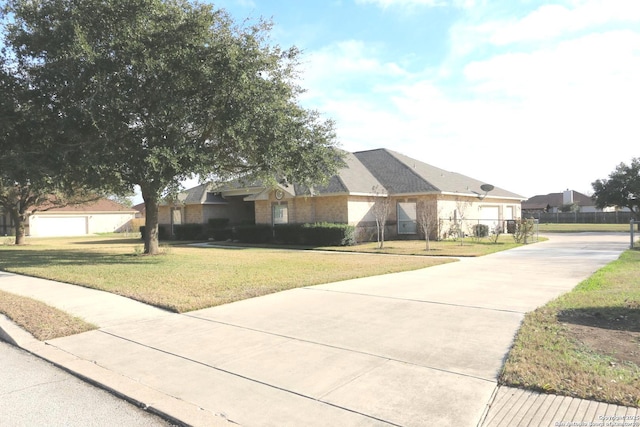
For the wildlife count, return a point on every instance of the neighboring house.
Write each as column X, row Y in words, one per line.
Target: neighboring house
column 411, row 186
column 567, row 201
column 102, row 216
column 140, row 209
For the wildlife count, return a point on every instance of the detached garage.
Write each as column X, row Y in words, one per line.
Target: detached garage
column 102, row 216
column 50, row 226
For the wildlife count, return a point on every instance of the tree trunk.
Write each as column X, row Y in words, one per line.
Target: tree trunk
column 19, row 220
column 151, row 246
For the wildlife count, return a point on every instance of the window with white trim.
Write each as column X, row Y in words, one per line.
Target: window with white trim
column 280, row 213
column 407, row 218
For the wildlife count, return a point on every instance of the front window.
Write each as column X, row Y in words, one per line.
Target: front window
column 280, row 213
column 407, row 223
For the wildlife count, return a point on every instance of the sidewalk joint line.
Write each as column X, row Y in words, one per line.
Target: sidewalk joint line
column 504, row 310
column 252, row 379
column 340, row 348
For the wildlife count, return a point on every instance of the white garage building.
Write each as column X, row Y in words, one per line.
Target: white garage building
column 102, row 216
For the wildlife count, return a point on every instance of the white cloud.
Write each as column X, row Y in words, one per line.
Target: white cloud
column 560, row 112
column 554, row 20
column 349, row 66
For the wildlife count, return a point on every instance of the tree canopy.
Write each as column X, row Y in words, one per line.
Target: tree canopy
column 155, row 91
column 621, row 189
column 31, row 176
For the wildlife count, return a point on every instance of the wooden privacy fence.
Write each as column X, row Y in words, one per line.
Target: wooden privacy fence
column 581, row 217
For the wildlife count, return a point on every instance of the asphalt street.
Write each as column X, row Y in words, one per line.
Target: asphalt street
column 36, row 393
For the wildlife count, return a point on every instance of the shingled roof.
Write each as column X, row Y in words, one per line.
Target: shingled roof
column 401, row 174
column 353, row 178
column 96, row 206
column 555, row 200
column 370, row 172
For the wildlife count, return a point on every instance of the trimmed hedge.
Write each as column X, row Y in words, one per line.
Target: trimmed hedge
column 329, row 234
column 253, row 233
column 218, row 229
column 163, row 233
column 288, row 234
column 218, row 223
column 318, row 234
column 321, row 234
column 189, row 231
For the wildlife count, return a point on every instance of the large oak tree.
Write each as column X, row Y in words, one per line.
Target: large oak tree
column 621, row 189
column 155, row 91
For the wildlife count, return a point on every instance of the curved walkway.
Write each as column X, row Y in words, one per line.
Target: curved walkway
column 409, row 349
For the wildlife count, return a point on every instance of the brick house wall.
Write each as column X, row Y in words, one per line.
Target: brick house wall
column 193, row 214
column 332, row 209
column 303, row 210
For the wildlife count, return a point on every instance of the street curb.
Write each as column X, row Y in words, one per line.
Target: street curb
column 175, row 411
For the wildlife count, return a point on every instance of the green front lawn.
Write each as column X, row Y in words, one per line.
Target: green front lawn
column 188, row 278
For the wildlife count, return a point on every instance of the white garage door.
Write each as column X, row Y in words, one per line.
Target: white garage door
column 489, row 215
column 58, row 226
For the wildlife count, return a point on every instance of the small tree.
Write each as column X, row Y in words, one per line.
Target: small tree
column 428, row 221
column 462, row 205
column 524, row 230
column 496, row 231
column 381, row 210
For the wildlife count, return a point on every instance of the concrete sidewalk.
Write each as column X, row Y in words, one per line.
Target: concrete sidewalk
column 411, row 349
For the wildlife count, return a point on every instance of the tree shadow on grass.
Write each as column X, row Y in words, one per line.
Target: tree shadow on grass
column 16, row 259
column 614, row 318
column 123, row 241
column 611, row 331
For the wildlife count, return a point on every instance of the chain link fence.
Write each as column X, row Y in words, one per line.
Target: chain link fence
column 524, row 230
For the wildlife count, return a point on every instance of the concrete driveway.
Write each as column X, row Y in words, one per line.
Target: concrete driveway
column 412, row 349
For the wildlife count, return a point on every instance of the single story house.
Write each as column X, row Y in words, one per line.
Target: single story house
column 567, row 201
column 412, row 189
column 101, row 216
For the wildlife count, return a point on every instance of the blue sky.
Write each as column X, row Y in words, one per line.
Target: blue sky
column 531, row 96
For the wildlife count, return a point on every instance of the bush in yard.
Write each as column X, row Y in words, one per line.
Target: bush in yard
column 253, row 233
column 480, row 230
column 218, row 223
column 189, row 231
column 218, row 229
column 221, row 234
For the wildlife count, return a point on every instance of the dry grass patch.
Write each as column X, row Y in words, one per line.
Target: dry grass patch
column 42, row 321
column 469, row 247
column 586, row 343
